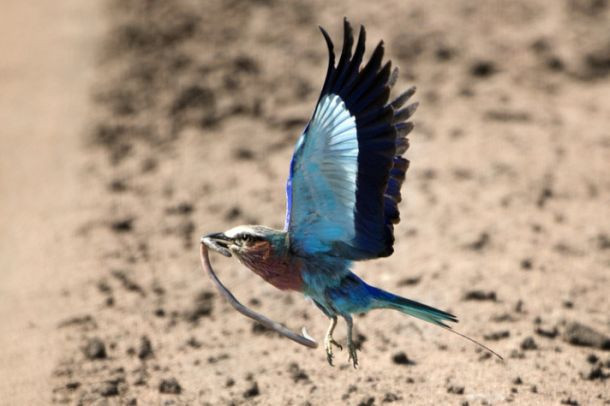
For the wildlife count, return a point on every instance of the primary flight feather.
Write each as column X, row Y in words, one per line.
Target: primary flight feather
column 342, row 195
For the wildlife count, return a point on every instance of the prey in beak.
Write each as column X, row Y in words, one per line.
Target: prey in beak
column 218, row 242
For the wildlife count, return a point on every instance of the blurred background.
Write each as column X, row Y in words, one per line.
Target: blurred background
column 132, row 128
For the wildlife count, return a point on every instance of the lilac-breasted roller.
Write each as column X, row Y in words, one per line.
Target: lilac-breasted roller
column 342, row 195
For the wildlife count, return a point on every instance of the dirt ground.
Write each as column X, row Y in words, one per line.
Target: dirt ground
column 129, row 129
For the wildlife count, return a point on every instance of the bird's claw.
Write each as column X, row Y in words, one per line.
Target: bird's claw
column 353, row 355
column 329, row 358
column 328, row 346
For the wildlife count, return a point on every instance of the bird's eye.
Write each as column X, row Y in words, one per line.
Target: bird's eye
column 246, row 238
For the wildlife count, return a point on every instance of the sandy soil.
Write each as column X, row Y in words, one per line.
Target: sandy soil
column 46, row 72
column 188, row 128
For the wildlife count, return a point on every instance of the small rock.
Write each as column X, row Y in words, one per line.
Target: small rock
column 592, row 358
column 596, row 373
column 123, row 225
column 148, row 164
column 233, row 213
column 118, row 185
column 554, row 63
column 194, row 97
column 72, row 385
column 526, row 264
column 444, row 53
column 243, row 153
column 603, row 241
column 145, row 351
column 252, row 391
column 194, row 342
column 570, row 401
column 401, row 358
column 370, row 401
column 140, row 376
column 390, row 397
column 545, row 194
column 259, row 329
column 456, row 389
column 109, row 388
column 529, row 344
column 480, row 243
column 350, row 389
column 503, row 317
column 170, row 386
column 519, row 306
column 480, row 295
column 359, row 341
column 297, row 373
column 127, row 281
column 547, row 332
column 86, row 322
column 485, row 356
column 515, row 354
column 95, row 349
column 202, row 307
column 577, row 333
column 497, row 335
column 245, row 63
column 483, row 69
column 218, row 358
column 409, row 281
column 183, row 208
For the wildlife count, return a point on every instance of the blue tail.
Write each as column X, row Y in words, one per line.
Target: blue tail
column 387, row 300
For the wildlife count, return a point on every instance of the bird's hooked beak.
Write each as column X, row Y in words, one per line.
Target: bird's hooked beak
column 218, row 242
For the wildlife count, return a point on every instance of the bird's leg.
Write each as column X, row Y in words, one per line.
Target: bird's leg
column 329, row 341
column 351, row 347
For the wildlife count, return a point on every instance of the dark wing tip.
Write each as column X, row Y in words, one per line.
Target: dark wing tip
column 329, row 42
column 404, row 96
column 393, row 77
column 346, row 24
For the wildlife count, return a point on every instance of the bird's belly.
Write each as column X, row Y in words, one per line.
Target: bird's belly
column 338, row 293
column 316, row 283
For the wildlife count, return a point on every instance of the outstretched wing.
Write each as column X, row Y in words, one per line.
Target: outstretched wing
column 347, row 168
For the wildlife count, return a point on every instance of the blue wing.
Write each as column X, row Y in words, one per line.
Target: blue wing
column 347, row 168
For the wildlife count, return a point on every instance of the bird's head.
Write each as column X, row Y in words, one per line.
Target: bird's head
column 248, row 243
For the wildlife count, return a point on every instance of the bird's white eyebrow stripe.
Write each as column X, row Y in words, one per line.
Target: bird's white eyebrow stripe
column 235, row 231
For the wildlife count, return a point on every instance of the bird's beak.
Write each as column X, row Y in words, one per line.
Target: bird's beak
column 218, row 242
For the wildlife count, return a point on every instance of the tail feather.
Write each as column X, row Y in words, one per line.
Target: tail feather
column 424, row 312
column 412, row 308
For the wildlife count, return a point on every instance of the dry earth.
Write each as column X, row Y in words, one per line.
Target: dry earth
column 192, row 120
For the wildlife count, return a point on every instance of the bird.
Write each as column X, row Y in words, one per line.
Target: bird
column 342, row 196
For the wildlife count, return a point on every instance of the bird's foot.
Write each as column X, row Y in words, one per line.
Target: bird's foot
column 353, row 354
column 329, row 341
column 351, row 346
